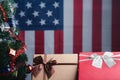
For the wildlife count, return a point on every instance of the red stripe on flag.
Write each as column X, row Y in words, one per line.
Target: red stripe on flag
column 96, row 25
column 77, row 34
column 58, row 41
column 22, row 36
column 115, row 25
column 39, row 42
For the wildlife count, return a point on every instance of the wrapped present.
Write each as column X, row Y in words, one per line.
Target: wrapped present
column 99, row 66
column 55, row 67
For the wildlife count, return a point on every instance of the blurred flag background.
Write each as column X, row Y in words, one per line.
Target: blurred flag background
column 68, row 26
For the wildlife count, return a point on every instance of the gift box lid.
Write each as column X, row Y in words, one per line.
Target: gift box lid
column 61, row 58
column 88, row 72
column 62, row 72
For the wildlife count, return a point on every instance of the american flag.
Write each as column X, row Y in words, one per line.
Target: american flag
column 68, row 26
column 40, row 15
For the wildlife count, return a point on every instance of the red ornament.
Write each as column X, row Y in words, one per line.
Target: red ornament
column 29, row 68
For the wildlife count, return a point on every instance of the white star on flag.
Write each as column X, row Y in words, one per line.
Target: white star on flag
column 49, row 13
column 56, row 4
column 29, row 5
column 16, row 22
column 22, row 13
column 42, row 5
column 42, row 22
column 36, row 13
column 15, row 5
column 29, row 22
column 56, row 21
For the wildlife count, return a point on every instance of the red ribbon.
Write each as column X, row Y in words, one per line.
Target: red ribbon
column 3, row 13
column 11, row 33
column 19, row 52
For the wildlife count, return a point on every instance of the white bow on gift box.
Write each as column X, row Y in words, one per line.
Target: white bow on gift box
column 97, row 62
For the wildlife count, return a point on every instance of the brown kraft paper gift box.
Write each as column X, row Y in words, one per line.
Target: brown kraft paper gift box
column 65, row 70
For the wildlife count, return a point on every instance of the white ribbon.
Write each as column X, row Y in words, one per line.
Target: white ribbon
column 97, row 62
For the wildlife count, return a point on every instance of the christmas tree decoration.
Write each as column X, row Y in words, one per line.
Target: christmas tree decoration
column 12, row 50
column 29, row 68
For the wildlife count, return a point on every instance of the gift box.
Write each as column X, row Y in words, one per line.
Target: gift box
column 99, row 66
column 64, row 67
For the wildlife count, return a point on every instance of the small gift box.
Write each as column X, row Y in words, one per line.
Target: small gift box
column 55, row 67
column 99, row 66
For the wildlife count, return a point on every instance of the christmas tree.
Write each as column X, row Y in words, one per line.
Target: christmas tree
column 12, row 49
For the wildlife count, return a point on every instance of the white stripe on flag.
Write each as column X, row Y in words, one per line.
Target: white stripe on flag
column 68, row 26
column 106, row 24
column 30, row 42
column 87, row 26
column 49, row 41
